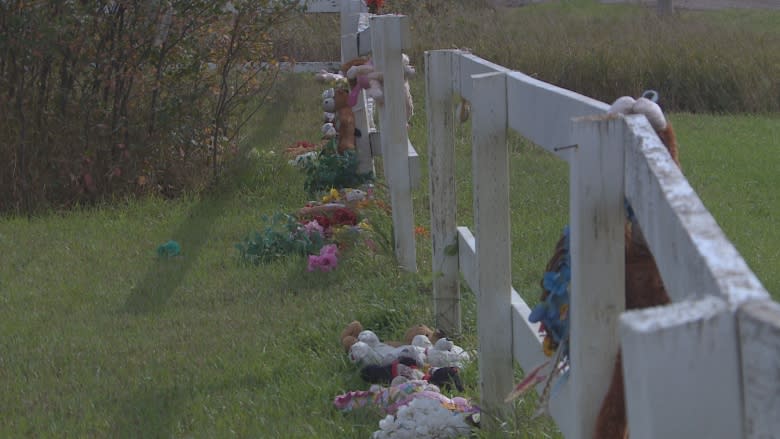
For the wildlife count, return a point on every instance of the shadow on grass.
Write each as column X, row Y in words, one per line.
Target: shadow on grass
column 157, row 412
column 162, row 279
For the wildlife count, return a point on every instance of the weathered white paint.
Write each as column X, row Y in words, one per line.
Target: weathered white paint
column 693, row 254
column 688, row 352
column 759, row 336
column 490, row 162
column 364, row 41
column 389, row 34
column 440, row 109
column 350, row 20
column 537, row 110
column 681, row 369
column 542, row 112
column 597, row 220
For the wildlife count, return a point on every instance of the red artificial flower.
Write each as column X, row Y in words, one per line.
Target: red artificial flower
column 374, row 5
column 344, row 217
column 323, row 221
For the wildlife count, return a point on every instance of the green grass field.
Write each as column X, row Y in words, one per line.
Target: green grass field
column 100, row 338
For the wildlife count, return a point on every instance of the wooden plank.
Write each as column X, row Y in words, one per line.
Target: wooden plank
column 468, row 65
column 467, row 258
column 491, row 216
column 364, row 42
column 415, row 174
column 679, row 229
column 526, row 341
column 759, row 335
column 321, row 6
column 387, row 39
column 350, row 20
column 363, row 143
column 597, row 297
column 542, row 112
column 681, row 370
column 440, row 114
column 537, row 110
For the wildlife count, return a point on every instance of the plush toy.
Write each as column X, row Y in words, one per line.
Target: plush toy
column 349, row 334
column 328, row 117
column 346, row 121
column 361, row 75
column 425, row 418
column 401, row 392
column 421, row 329
column 327, row 77
column 329, row 101
column 348, row 65
column 328, row 131
column 364, row 77
column 369, row 350
column 445, row 353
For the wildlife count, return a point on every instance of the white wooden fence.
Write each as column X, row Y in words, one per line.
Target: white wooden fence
column 707, row 365
column 384, row 37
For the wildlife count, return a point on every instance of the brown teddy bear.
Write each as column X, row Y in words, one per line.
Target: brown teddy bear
column 350, row 335
column 346, row 121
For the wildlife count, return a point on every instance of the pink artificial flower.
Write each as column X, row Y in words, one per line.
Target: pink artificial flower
column 326, row 261
column 330, row 249
column 313, row 227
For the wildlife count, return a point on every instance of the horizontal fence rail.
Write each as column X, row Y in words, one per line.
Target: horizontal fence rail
column 685, row 364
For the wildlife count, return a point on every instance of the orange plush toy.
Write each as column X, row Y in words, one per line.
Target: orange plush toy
column 644, row 286
column 346, row 121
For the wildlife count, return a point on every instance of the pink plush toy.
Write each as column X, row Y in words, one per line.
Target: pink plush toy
column 401, row 393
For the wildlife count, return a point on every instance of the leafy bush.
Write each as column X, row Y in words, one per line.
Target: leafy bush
column 332, row 170
column 110, row 98
column 283, row 235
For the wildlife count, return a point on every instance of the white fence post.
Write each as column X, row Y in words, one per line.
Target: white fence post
column 597, row 297
column 353, row 12
column 681, row 370
column 759, row 336
column 494, row 255
column 389, row 36
column 441, row 159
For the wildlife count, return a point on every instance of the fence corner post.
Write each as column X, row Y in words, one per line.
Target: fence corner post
column 681, row 370
column 494, row 253
column 597, row 242
column 439, row 107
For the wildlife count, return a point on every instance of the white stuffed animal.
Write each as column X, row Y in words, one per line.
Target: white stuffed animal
column 369, row 350
column 445, row 353
column 328, row 131
column 329, row 100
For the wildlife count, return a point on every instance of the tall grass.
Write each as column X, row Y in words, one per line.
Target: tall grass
column 700, row 61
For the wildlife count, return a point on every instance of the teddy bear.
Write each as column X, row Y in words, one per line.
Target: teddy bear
column 325, row 76
column 329, row 102
column 345, row 121
column 445, row 353
column 368, row 349
column 349, row 335
column 361, row 75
